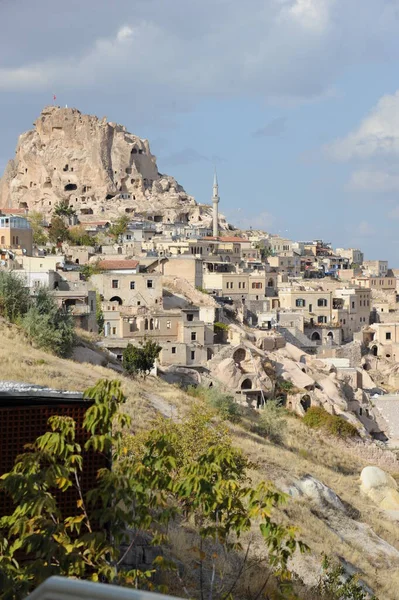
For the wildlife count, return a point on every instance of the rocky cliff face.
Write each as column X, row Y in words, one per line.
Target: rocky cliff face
column 98, row 167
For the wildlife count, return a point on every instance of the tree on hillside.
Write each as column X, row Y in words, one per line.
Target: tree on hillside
column 140, row 360
column 119, row 227
column 145, row 487
column 49, row 326
column 78, row 236
column 62, row 209
column 99, row 314
column 58, row 230
column 14, row 296
column 40, row 237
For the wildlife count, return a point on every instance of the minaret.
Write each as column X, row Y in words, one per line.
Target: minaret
column 215, row 202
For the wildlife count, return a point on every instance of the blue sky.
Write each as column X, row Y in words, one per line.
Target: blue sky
column 295, row 101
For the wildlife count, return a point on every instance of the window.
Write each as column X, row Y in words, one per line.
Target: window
column 131, row 327
column 300, row 302
column 239, row 285
column 173, row 349
column 3, row 239
column 17, row 240
column 138, row 302
column 322, row 319
column 128, row 237
column 243, row 285
column 132, row 285
column 190, row 317
column 115, row 283
column 353, row 305
column 149, row 283
column 192, row 354
column 168, row 324
column 256, row 285
column 193, row 336
column 388, row 335
column 321, row 302
column 114, row 331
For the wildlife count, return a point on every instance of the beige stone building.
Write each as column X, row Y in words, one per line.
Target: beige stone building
column 354, row 255
column 385, row 342
column 286, row 262
column 185, row 266
column 376, row 268
column 122, row 282
column 185, row 339
column 16, row 234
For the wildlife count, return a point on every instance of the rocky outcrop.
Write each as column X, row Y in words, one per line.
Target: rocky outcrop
column 381, row 488
column 96, row 167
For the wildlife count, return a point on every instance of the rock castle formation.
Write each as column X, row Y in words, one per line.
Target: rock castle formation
column 98, row 168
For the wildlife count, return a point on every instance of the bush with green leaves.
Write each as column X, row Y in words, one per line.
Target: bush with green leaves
column 14, row 296
column 146, row 491
column 48, row 326
column 272, row 421
column 119, row 227
column 336, row 584
column 318, row 418
column 140, row 360
column 223, row 403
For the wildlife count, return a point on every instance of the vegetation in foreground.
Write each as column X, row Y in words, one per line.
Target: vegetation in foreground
column 154, row 482
column 46, row 325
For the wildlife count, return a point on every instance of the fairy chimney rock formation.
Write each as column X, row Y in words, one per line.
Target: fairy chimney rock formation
column 98, row 168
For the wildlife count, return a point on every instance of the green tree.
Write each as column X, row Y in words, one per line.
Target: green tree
column 78, row 236
column 99, row 314
column 14, row 296
column 90, row 269
column 145, row 491
column 58, row 230
column 272, row 421
column 40, row 237
column 139, row 360
column 62, row 209
column 119, row 227
column 48, row 326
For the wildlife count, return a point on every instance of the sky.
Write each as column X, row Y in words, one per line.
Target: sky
column 296, row 102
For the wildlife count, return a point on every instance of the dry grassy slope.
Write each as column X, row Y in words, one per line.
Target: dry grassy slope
column 303, row 452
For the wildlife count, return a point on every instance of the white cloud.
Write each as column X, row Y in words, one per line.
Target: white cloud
column 124, row 33
column 374, row 181
column 377, row 134
column 176, row 52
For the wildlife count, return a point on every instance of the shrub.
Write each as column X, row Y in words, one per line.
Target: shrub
column 218, row 326
column 318, row 418
column 14, row 296
column 224, row 404
column 140, row 359
column 48, row 326
column 272, row 421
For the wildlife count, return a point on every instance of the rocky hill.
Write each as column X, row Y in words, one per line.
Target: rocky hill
column 98, row 168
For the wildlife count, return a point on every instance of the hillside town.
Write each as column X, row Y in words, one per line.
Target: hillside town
column 219, row 301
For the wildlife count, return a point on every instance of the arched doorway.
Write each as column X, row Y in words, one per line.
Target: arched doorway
column 239, row 355
column 374, row 350
column 246, row 384
column 316, row 336
column 305, row 402
column 116, row 299
column 330, row 335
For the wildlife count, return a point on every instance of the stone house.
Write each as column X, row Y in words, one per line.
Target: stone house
column 16, row 233
column 185, row 339
column 385, row 340
column 121, row 281
column 286, row 262
column 376, row 268
column 354, row 255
